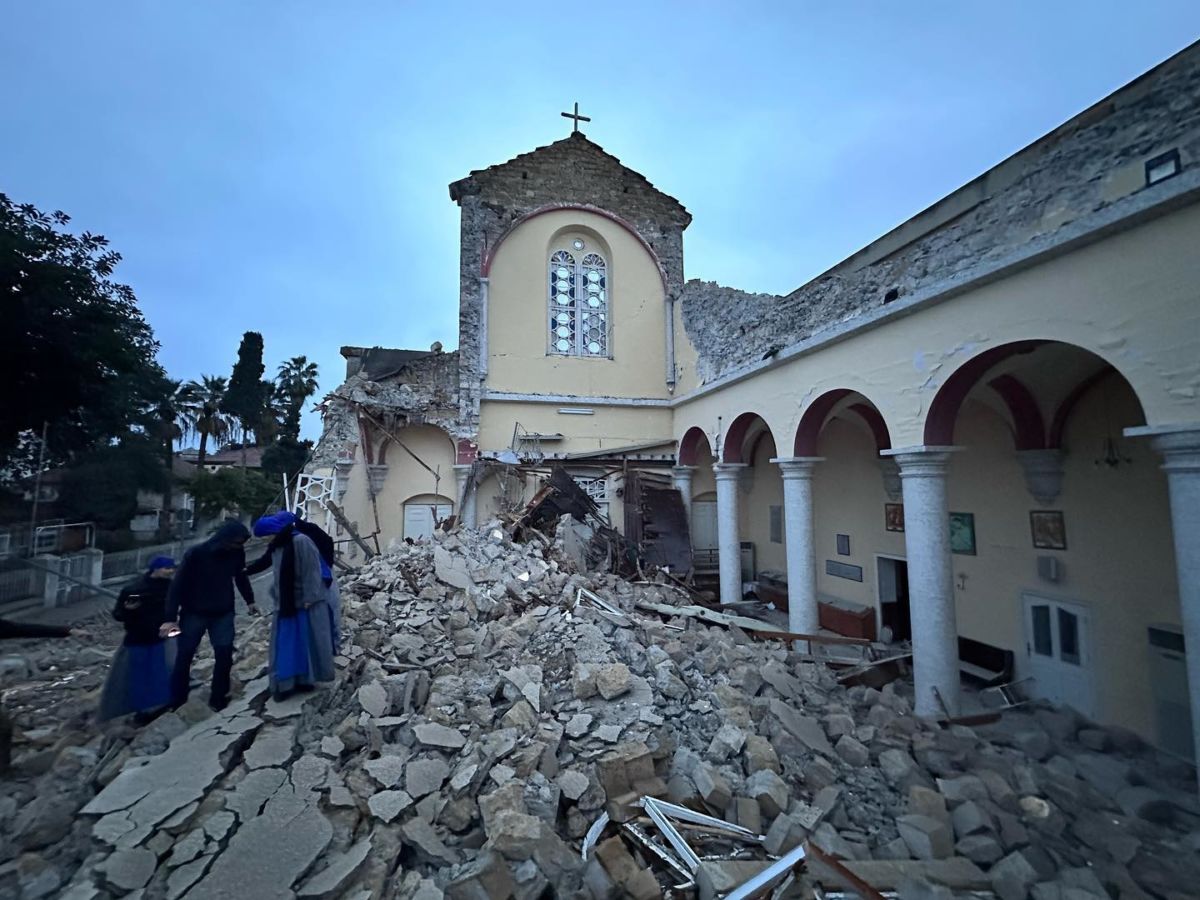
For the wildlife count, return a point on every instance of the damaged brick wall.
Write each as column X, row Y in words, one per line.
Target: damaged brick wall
column 424, row 391
column 1085, row 165
column 570, row 172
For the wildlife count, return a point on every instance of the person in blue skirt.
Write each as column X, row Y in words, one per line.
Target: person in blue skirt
column 302, row 628
column 139, row 680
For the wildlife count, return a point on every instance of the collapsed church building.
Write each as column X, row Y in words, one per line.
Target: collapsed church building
column 980, row 433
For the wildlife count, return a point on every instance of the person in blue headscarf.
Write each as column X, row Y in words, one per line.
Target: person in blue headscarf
column 302, row 628
column 139, row 680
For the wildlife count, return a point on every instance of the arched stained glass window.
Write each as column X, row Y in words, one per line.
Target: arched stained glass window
column 578, row 305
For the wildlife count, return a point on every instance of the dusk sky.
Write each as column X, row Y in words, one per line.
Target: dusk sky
column 282, row 166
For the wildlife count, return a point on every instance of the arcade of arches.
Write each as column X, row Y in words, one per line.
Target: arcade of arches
column 1032, row 518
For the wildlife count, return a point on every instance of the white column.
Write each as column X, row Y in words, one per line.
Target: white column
column 930, row 577
column 464, row 502
column 681, row 476
column 1181, row 462
column 729, row 547
column 803, row 615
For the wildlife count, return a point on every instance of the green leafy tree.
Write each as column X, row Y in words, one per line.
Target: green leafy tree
column 205, row 406
column 173, row 420
column 246, row 397
column 232, row 490
column 286, row 457
column 75, row 351
column 103, row 487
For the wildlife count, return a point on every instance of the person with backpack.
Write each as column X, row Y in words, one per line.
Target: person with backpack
column 303, row 626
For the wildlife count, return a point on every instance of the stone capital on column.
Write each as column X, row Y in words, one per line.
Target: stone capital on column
column 728, row 471
column 1180, row 450
column 683, row 472
column 921, row 462
column 797, row 466
column 376, row 476
column 1044, row 472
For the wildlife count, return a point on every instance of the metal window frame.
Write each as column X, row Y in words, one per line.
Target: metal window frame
column 578, row 343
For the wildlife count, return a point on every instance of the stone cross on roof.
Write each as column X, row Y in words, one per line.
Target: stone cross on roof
column 577, row 117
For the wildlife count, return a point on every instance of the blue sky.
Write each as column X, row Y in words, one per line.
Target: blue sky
column 282, row 166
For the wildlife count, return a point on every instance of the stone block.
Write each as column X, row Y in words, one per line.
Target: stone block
column 926, row 802
column 746, row 812
column 851, row 751
column 612, row 680
column 759, row 754
column 785, row 833
column 726, row 743
column 424, row 776
column 963, row 788
column 896, row 765
column 769, row 790
column 981, row 849
column 716, row 878
column 971, row 818
column 1012, row 877
column 486, row 877
column 713, row 788
column 927, row 838
column 432, row 734
column 513, row 834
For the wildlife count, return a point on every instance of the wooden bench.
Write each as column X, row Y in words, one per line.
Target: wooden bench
column 984, row 664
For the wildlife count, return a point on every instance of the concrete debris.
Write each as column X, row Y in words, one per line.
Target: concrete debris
column 485, row 721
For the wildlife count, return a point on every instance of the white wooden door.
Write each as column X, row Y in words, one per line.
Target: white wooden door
column 1058, row 644
column 419, row 518
column 704, row 524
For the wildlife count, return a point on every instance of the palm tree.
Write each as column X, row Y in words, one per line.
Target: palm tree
column 208, row 421
column 296, row 382
column 174, row 421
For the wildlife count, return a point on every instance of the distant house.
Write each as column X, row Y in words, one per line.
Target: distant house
column 250, row 458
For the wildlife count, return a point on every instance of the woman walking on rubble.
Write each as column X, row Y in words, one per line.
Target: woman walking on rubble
column 302, row 629
column 139, row 680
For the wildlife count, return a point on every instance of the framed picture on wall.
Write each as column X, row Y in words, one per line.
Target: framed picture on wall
column 962, row 533
column 1048, row 528
column 843, row 545
column 893, row 516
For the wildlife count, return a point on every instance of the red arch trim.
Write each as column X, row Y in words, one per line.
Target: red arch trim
column 689, row 446
column 490, row 256
column 1027, row 418
column 870, row 415
column 939, row 425
column 1059, row 423
column 735, row 437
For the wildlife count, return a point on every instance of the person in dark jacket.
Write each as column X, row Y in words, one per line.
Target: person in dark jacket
column 10, row 629
column 139, row 680
column 201, row 601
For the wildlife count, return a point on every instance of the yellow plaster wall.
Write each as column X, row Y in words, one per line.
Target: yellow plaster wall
column 607, row 428
column 406, row 478
column 1132, row 298
column 518, row 313
column 1118, row 563
column 761, row 488
column 848, row 498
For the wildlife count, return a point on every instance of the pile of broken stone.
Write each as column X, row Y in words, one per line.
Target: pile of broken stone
column 488, row 712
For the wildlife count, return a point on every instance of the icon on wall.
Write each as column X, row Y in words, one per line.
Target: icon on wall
column 962, row 533
column 1048, row 528
column 893, row 516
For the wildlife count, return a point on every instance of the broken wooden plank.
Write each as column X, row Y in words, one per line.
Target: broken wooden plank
column 707, row 615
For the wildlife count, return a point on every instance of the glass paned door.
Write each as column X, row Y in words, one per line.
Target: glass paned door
column 1056, row 634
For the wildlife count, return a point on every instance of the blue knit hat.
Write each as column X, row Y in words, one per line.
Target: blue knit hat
column 161, row 562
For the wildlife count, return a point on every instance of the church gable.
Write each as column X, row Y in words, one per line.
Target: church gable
column 573, row 170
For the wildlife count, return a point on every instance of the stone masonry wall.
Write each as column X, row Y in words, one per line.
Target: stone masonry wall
column 423, row 392
column 1090, row 162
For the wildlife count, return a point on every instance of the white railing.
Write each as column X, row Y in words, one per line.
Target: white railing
column 19, row 584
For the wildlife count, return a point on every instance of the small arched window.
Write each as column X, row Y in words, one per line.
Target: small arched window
column 578, row 304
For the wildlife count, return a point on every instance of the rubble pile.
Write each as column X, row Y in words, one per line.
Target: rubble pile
column 495, row 706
